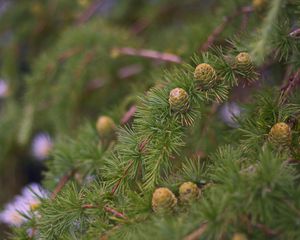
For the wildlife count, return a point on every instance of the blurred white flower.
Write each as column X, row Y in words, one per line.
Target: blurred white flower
column 22, row 206
column 4, row 89
column 228, row 112
column 41, row 146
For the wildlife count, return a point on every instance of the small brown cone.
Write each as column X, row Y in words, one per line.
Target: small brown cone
column 163, row 200
column 205, row 76
column 188, row 192
column 280, row 135
column 105, row 126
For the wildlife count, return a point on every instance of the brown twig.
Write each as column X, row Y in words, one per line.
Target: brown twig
column 62, row 182
column 147, row 53
column 115, row 187
column 91, row 10
column 114, row 212
column 266, row 230
column 130, row 70
column 128, row 115
column 195, row 235
column 89, row 206
column 107, row 209
column 220, row 28
column 293, row 80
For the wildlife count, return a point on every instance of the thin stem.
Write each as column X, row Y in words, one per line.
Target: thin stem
column 116, row 186
column 128, row 115
column 114, row 212
column 293, row 80
column 147, row 53
column 91, row 10
column 220, row 28
column 107, row 209
column 62, row 182
column 195, row 235
column 295, row 33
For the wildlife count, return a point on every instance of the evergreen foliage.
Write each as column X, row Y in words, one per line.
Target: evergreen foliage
column 172, row 170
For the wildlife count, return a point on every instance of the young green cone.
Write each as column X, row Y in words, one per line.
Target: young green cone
column 205, row 76
column 244, row 62
column 179, row 100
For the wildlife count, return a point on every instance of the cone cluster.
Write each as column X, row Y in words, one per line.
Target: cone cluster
column 164, row 200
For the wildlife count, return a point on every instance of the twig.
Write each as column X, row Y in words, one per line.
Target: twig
column 147, row 53
column 91, row 10
column 62, row 182
column 128, row 115
column 195, row 235
column 219, row 29
column 266, row 230
column 68, row 53
column 89, row 206
column 115, row 187
column 107, row 209
column 129, row 71
column 295, row 33
column 293, row 80
column 114, row 212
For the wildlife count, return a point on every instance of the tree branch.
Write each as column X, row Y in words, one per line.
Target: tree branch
column 62, row 182
column 195, row 235
column 219, row 29
column 147, row 53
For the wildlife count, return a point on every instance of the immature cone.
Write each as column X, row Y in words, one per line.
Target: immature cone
column 105, row 126
column 179, row 100
column 163, row 200
column 188, row 191
column 205, row 76
column 280, row 134
column 239, row 236
column 244, row 62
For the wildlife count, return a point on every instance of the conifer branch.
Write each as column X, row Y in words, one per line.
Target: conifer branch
column 62, row 182
column 220, row 28
column 115, row 187
column 293, row 81
column 147, row 53
column 196, row 234
column 261, row 46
